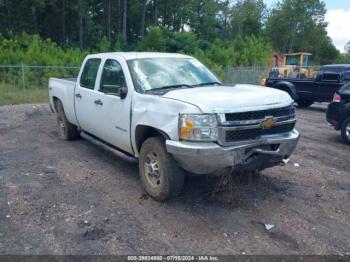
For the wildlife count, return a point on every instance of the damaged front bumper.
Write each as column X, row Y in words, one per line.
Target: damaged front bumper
column 206, row 158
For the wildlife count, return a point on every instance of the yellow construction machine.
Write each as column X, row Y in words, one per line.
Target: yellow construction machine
column 291, row 65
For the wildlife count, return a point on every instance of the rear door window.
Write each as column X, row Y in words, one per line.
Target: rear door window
column 88, row 76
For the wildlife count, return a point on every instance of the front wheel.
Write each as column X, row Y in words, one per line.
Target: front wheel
column 345, row 130
column 305, row 103
column 161, row 177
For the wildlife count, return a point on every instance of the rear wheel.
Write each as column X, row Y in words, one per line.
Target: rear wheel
column 66, row 130
column 345, row 130
column 305, row 103
column 161, row 177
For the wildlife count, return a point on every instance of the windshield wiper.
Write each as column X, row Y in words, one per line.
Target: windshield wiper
column 169, row 87
column 209, row 83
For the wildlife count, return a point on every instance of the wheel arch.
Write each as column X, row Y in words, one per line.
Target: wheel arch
column 344, row 129
column 143, row 132
column 287, row 87
column 345, row 113
column 55, row 100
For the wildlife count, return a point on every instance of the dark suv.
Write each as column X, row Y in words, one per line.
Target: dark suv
column 338, row 112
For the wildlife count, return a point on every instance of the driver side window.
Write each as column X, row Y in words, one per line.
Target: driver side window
column 112, row 78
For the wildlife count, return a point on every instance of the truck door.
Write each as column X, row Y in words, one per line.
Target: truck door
column 87, row 111
column 327, row 84
column 304, row 88
column 114, row 119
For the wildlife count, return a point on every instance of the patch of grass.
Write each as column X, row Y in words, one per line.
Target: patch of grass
column 13, row 95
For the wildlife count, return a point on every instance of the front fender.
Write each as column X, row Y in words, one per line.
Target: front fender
column 287, row 87
column 159, row 113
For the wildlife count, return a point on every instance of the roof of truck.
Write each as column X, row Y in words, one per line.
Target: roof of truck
column 337, row 65
column 135, row 55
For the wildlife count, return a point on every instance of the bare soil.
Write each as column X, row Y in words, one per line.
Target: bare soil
column 59, row 197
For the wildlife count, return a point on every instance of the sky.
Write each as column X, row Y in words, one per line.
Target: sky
column 338, row 18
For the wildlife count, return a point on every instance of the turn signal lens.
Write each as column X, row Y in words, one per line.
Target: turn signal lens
column 186, row 129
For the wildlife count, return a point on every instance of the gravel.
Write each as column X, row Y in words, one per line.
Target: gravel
column 59, row 197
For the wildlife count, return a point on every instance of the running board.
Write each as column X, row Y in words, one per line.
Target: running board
column 109, row 148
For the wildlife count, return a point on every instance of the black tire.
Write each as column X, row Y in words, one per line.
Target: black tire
column 345, row 130
column 66, row 130
column 161, row 177
column 305, row 103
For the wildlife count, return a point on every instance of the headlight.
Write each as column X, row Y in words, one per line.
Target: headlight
column 201, row 127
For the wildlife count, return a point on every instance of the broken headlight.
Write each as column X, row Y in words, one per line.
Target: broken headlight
column 198, row 127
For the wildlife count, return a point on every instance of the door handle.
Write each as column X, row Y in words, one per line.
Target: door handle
column 98, row 102
column 78, row 95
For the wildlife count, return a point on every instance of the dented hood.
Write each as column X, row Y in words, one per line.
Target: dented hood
column 216, row 99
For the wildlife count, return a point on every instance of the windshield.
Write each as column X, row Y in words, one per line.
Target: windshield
column 156, row 73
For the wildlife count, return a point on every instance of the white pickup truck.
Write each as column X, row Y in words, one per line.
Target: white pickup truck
column 172, row 114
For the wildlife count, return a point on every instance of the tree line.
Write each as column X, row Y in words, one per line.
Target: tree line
column 219, row 32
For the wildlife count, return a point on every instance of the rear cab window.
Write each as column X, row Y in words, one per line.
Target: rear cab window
column 331, row 73
column 331, row 69
column 89, row 74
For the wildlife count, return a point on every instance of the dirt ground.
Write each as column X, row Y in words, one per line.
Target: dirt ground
column 60, row 197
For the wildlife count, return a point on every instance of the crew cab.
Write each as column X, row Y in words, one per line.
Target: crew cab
column 338, row 112
column 169, row 112
column 306, row 91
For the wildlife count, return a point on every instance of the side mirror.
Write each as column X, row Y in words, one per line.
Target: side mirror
column 123, row 91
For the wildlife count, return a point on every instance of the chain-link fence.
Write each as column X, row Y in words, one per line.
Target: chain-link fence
column 256, row 75
column 28, row 84
column 243, row 75
column 247, row 75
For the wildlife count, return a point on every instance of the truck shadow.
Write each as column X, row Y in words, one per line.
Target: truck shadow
column 234, row 191
column 337, row 139
column 314, row 108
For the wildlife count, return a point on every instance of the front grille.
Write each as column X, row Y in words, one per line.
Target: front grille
column 256, row 133
column 253, row 115
column 244, row 126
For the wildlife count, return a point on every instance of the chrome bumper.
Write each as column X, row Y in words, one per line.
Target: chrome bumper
column 206, row 158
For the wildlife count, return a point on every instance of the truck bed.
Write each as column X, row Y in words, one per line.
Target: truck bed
column 63, row 88
column 72, row 79
column 69, row 79
column 272, row 81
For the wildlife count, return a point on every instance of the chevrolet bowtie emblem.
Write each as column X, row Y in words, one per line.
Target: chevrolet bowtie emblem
column 268, row 122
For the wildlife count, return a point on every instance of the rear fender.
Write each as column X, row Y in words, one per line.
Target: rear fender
column 64, row 91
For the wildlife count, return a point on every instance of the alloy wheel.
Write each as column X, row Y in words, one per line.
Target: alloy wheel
column 152, row 169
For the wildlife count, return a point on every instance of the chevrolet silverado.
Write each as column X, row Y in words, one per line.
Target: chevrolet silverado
column 173, row 115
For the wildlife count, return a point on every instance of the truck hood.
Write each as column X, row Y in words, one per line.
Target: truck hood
column 223, row 99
